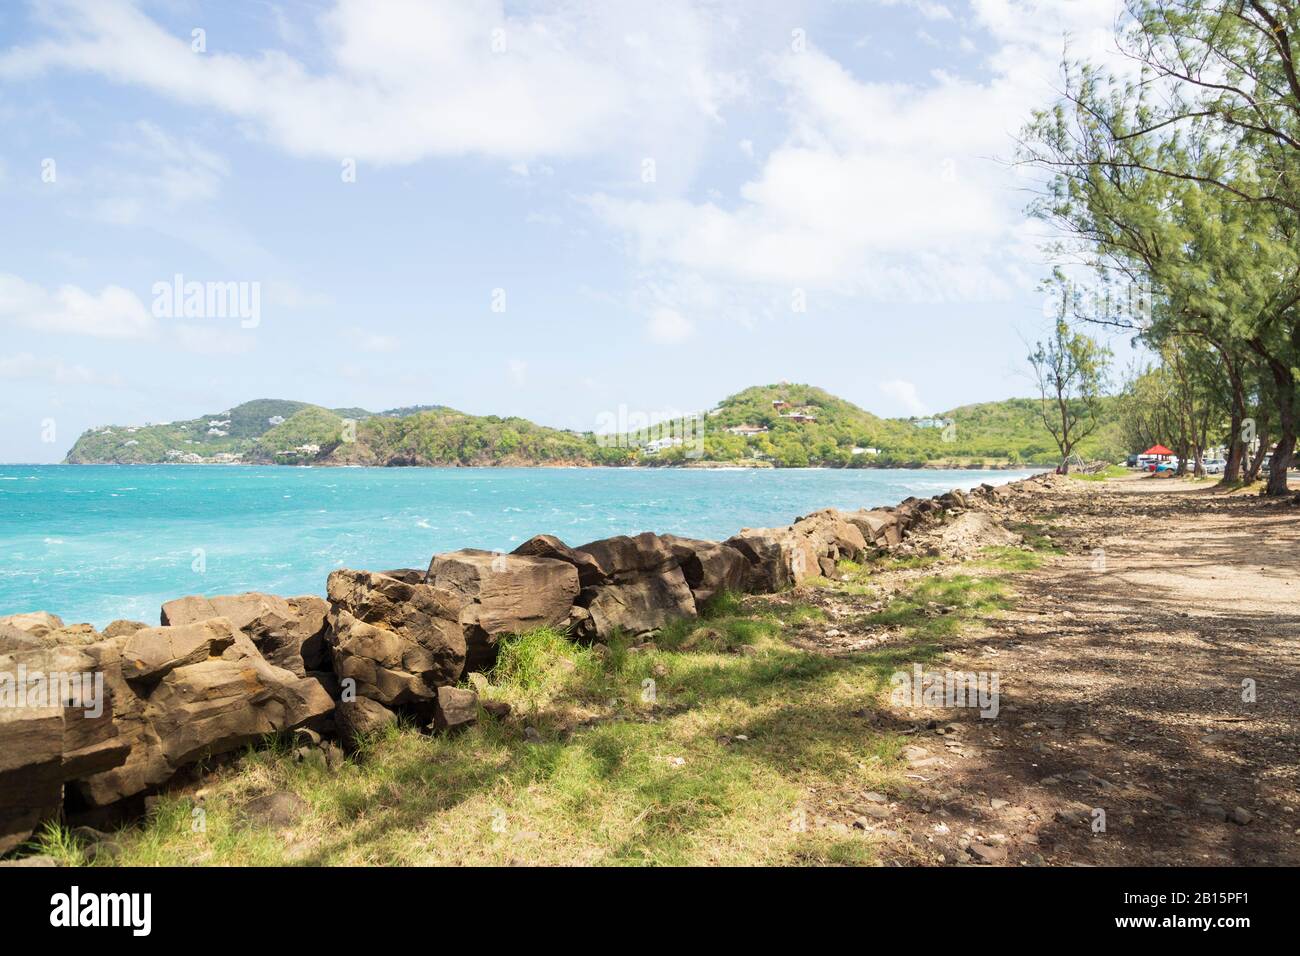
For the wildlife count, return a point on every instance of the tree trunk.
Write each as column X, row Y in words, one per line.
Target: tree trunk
column 1285, row 448
column 1252, row 473
column 1236, row 449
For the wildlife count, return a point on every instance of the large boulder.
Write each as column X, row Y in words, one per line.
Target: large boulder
column 708, row 566
column 880, row 529
column 397, row 641
column 45, row 629
column 643, row 587
column 548, row 546
column 457, row 709
column 503, row 594
column 195, row 709
column 626, row 557
column 832, row 535
column 56, row 723
column 35, row 623
column 778, row 557
column 639, row 604
column 290, row 632
column 360, row 718
column 151, row 653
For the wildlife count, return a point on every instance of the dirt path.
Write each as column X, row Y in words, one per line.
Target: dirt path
column 1122, row 674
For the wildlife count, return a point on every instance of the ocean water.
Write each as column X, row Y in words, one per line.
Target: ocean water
column 98, row 542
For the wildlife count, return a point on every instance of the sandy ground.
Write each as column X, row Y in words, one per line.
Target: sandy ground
column 1123, row 736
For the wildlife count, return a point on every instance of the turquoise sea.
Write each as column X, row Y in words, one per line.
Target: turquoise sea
column 98, row 542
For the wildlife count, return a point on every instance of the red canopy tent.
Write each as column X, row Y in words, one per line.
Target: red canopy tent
column 1159, row 451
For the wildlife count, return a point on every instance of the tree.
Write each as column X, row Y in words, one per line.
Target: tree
column 1186, row 197
column 1071, row 370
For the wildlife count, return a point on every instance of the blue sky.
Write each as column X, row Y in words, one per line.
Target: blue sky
column 558, row 209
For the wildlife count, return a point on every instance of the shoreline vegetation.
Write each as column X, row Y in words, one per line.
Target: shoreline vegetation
column 324, row 677
column 773, row 426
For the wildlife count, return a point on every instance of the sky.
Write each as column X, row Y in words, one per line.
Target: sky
column 555, row 210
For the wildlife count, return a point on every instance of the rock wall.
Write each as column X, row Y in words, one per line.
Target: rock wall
column 135, row 704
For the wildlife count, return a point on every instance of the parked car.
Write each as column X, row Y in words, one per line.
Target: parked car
column 1215, row 466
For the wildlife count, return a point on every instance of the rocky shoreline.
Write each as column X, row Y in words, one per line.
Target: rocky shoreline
column 92, row 724
column 703, row 464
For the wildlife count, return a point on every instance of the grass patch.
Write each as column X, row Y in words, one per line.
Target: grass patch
column 937, row 607
column 1005, row 558
column 1110, row 471
column 705, row 747
column 1036, row 536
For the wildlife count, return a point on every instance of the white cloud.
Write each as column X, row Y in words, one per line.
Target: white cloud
column 408, row 79
column 880, row 190
column 27, row 367
column 669, row 327
column 173, row 169
column 113, row 312
column 930, row 9
column 905, row 396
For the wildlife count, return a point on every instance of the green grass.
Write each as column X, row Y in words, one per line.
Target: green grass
column 938, row 607
column 1005, row 558
column 1036, row 535
column 1110, row 471
column 704, row 749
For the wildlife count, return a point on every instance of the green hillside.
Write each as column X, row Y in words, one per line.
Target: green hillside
column 447, row 437
column 228, row 433
column 1013, row 430
column 784, row 425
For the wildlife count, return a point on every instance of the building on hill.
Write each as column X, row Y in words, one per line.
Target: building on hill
column 801, row 416
column 747, row 430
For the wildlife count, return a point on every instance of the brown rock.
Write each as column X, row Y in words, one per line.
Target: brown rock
column 122, row 628
column 457, row 709
column 641, row 604
column 277, row 811
column 360, row 718
column 709, row 567
column 396, row 642
column 778, row 557
column 548, row 546
column 832, row 535
column 49, row 733
column 625, row 557
column 151, row 653
column 289, row 632
column 880, row 529
column 187, row 711
column 504, row 594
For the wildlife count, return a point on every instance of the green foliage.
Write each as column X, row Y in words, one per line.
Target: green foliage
column 231, row 432
column 306, row 436
column 1005, row 433
column 1071, row 369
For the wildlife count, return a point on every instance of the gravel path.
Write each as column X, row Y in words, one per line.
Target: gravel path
column 1126, row 673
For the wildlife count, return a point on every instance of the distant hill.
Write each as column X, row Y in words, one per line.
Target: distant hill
column 784, row 425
